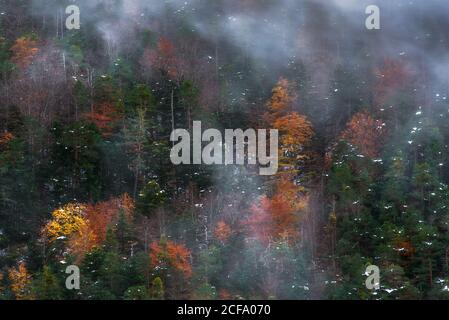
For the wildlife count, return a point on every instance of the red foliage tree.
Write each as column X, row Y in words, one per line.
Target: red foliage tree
column 103, row 214
column 163, row 58
column 104, row 116
column 167, row 254
column 278, row 217
column 366, row 133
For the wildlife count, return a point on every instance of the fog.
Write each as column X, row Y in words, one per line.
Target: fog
column 272, row 33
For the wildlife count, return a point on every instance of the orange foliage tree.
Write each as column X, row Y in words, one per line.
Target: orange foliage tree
column 294, row 129
column 83, row 241
column 366, row 133
column 278, row 217
column 24, row 49
column 282, row 98
column 167, row 254
column 99, row 218
column 5, row 138
column 20, row 282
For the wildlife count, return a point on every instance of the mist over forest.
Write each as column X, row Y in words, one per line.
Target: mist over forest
column 86, row 177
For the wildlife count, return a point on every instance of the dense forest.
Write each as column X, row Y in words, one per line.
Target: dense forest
column 85, row 172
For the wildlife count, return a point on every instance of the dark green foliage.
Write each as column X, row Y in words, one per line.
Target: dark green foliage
column 75, row 161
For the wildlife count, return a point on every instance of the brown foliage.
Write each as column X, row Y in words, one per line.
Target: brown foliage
column 83, row 241
column 405, row 248
column 99, row 218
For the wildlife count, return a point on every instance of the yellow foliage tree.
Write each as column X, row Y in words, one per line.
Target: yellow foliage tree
column 85, row 226
column 65, row 221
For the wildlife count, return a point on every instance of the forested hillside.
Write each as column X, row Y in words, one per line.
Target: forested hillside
column 86, row 177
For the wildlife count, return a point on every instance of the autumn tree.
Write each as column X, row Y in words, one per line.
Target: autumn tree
column 20, row 280
column 167, row 254
column 82, row 242
column 282, row 98
column 365, row 133
column 65, row 221
column 23, row 51
column 106, row 213
column 295, row 130
column 222, row 231
column 5, row 138
column 163, row 58
column 391, row 76
column 104, row 116
column 171, row 262
column 86, row 226
column 278, row 217
column 69, row 224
